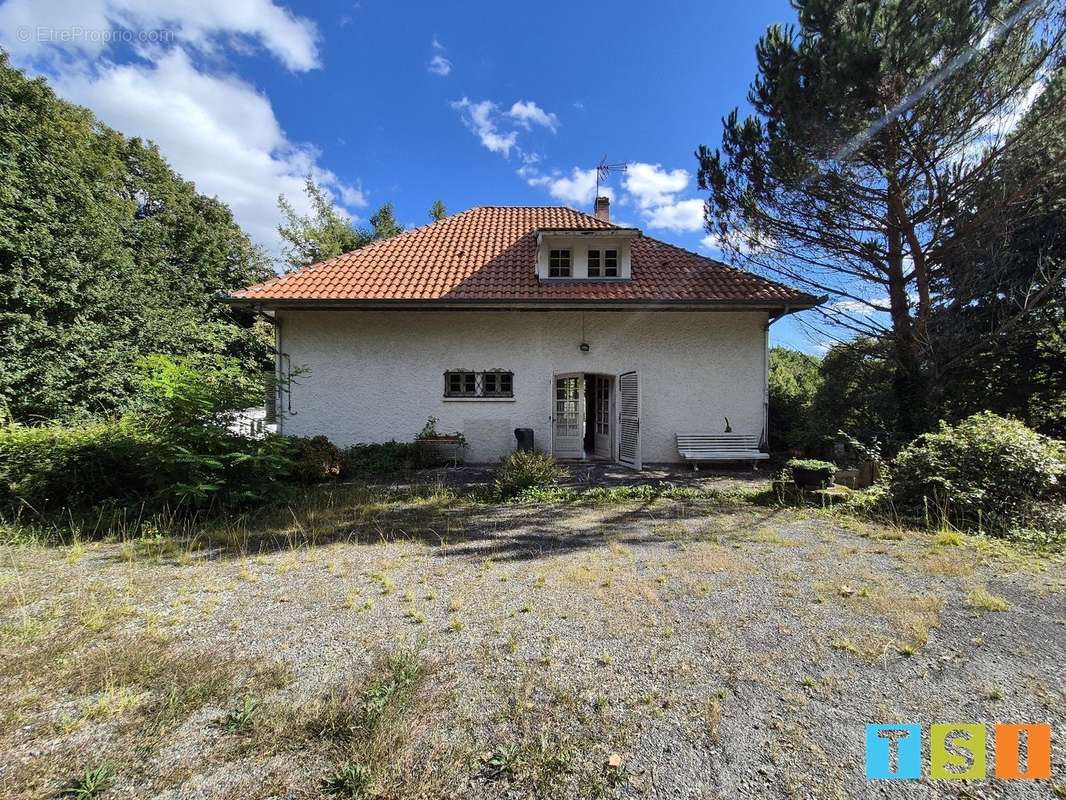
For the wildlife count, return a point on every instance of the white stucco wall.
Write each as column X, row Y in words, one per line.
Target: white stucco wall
column 373, row 376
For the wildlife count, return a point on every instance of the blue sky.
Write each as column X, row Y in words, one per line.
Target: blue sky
column 475, row 103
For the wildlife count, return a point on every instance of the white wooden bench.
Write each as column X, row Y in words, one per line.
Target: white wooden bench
column 696, row 447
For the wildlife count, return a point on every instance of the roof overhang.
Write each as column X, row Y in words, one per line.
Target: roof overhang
column 774, row 307
column 626, row 234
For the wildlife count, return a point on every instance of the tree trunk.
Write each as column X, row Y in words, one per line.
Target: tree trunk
column 908, row 383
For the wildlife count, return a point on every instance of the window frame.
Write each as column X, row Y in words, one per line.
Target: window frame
column 474, row 385
column 610, row 270
column 464, row 377
column 556, row 258
column 591, row 266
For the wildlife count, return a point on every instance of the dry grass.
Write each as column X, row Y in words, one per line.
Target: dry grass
column 138, row 663
column 130, row 691
column 981, row 598
column 377, row 736
column 882, row 618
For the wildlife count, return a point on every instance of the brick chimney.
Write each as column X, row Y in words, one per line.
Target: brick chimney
column 603, row 209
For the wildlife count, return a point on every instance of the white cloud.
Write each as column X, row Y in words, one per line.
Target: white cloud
column 88, row 27
column 439, row 65
column 481, row 119
column 527, row 113
column 743, row 241
column 217, row 131
column 860, row 308
column 576, row 189
column 651, row 185
column 679, row 216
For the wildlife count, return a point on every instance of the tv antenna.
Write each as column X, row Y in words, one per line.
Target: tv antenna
column 604, row 170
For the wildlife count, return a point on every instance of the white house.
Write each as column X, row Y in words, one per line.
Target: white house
column 602, row 340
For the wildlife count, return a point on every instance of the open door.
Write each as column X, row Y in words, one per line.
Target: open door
column 629, row 420
column 568, row 416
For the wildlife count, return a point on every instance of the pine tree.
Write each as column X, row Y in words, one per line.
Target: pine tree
column 874, row 122
column 322, row 234
column 437, row 210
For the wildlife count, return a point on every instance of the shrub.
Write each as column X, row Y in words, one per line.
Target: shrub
column 127, row 464
column 986, row 473
column 380, row 460
column 55, row 467
column 793, row 381
column 522, row 470
column 314, row 459
column 177, row 453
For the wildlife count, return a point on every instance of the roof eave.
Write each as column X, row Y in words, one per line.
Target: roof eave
column 798, row 303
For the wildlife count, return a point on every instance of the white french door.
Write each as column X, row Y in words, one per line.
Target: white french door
column 568, row 416
column 602, row 422
column 629, row 420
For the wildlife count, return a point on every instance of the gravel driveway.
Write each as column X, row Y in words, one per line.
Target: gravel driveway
column 660, row 650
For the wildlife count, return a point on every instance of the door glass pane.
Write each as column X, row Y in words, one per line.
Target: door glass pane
column 567, row 412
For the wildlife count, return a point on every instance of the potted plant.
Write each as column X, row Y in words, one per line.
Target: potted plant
column 809, row 473
column 437, row 447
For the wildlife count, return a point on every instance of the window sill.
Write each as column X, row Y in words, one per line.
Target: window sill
column 478, row 399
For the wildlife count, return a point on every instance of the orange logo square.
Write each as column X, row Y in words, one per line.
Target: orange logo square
column 1034, row 763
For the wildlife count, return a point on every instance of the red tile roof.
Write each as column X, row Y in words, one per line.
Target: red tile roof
column 488, row 254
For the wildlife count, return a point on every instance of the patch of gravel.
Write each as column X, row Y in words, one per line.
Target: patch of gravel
column 719, row 652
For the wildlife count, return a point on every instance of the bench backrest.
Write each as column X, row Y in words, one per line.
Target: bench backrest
column 717, row 441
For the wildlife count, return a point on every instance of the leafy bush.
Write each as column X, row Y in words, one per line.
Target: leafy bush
column 314, row 459
column 793, row 381
column 56, row 467
column 124, row 463
column 380, row 460
column 177, row 453
column 987, row 473
column 522, row 470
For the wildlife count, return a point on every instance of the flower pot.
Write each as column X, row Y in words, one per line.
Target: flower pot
column 810, row 478
column 441, row 449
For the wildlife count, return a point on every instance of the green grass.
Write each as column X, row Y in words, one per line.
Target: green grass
column 92, row 783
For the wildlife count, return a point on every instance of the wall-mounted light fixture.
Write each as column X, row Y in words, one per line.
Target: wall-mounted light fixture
column 585, row 347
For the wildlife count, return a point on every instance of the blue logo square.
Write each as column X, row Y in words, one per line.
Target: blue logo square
column 893, row 752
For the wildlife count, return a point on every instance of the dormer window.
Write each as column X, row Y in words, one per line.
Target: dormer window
column 603, row 264
column 585, row 254
column 559, row 264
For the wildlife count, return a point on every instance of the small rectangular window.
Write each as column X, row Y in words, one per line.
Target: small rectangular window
column 479, row 384
column 497, row 384
column 610, row 263
column 460, row 384
column 594, row 263
column 559, row 264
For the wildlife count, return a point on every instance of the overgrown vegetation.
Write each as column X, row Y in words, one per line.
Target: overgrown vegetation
column 986, row 473
column 523, row 470
column 177, row 450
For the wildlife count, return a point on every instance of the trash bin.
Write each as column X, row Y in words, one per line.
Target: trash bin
column 524, row 436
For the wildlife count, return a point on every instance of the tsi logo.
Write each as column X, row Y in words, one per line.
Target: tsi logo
column 957, row 751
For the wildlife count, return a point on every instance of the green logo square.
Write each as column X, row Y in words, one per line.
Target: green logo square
column 957, row 751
